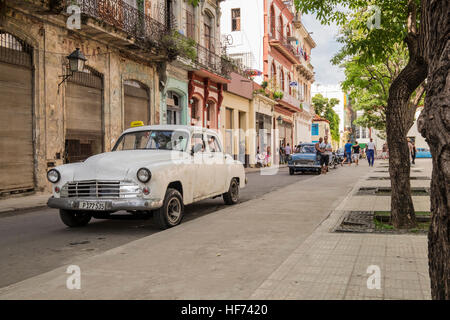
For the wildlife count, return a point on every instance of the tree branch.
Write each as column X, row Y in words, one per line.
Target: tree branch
column 412, row 17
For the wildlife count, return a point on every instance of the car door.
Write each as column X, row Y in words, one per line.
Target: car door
column 217, row 161
column 203, row 171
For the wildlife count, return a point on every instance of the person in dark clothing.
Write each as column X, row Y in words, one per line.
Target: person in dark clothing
column 356, row 148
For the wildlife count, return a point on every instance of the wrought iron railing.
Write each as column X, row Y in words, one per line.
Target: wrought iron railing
column 125, row 17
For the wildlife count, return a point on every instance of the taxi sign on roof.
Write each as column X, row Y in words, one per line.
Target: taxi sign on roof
column 135, row 124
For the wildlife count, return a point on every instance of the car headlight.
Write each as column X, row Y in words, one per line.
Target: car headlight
column 53, row 176
column 144, row 175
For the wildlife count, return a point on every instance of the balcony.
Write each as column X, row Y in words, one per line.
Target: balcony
column 123, row 16
column 204, row 60
column 278, row 40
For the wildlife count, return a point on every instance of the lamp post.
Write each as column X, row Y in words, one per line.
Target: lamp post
column 77, row 60
column 279, row 121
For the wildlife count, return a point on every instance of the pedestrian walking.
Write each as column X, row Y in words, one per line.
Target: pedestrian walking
column 348, row 153
column 356, row 148
column 384, row 151
column 326, row 149
column 287, row 152
column 370, row 152
column 412, row 151
column 281, row 151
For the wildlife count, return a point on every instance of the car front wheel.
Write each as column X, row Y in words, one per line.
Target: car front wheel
column 74, row 219
column 172, row 211
column 291, row 172
column 232, row 195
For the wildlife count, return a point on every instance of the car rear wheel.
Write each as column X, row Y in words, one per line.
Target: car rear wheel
column 172, row 211
column 232, row 195
column 74, row 219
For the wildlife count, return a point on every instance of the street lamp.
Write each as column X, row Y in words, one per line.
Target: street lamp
column 77, row 60
column 280, row 120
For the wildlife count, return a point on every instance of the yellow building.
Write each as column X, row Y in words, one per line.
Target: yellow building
column 234, row 120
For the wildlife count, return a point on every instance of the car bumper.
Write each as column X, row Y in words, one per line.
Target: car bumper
column 134, row 204
column 304, row 167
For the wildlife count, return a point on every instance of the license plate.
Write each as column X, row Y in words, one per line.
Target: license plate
column 92, row 205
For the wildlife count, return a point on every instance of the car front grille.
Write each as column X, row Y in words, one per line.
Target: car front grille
column 100, row 189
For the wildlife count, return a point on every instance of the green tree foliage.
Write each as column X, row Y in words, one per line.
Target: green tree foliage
column 368, row 86
column 361, row 37
column 324, row 108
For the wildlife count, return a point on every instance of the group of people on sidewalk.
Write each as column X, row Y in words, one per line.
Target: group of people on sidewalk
column 353, row 151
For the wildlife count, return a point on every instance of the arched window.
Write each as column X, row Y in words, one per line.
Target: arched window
column 282, row 80
column 273, row 73
column 288, row 31
column 289, row 84
column 281, row 28
column 173, row 108
column 272, row 21
column 208, row 31
column 190, row 21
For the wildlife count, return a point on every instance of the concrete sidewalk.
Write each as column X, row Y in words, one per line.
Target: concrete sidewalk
column 335, row 265
column 276, row 247
column 23, row 202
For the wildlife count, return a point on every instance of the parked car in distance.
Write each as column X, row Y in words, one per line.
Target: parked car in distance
column 151, row 169
column 423, row 153
column 305, row 160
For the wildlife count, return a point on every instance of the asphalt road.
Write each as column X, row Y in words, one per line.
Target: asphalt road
column 37, row 241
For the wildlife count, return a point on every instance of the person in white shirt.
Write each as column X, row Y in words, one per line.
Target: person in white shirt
column 370, row 152
column 326, row 149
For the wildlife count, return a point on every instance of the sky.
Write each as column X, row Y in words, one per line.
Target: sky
column 327, row 47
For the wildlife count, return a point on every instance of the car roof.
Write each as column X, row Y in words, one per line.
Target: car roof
column 174, row 127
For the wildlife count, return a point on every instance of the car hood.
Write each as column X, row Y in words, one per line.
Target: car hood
column 304, row 156
column 119, row 165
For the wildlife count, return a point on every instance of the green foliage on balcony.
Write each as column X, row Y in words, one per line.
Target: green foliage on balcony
column 194, row 2
column 278, row 95
column 175, row 44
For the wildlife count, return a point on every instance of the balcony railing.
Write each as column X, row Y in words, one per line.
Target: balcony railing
column 282, row 38
column 133, row 21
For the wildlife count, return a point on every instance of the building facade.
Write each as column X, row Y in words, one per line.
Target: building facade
column 268, row 38
column 193, row 84
column 47, row 121
column 236, row 128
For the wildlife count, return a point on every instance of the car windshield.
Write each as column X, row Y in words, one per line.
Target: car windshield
column 307, row 149
column 153, row 140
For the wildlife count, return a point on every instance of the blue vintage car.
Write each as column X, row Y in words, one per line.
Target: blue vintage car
column 423, row 153
column 304, row 160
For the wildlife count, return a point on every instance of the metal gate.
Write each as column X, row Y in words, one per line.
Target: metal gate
column 16, row 114
column 84, row 116
column 136, row 105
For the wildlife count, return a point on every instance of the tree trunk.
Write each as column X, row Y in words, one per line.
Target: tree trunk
column 434, row 125
column 397, row 127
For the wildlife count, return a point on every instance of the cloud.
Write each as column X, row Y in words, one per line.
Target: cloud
column 327, row 47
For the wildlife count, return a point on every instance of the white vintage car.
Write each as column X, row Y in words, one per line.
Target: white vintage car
column 151, row 169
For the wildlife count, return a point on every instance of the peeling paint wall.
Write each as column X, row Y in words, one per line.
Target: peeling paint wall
column 52, row 44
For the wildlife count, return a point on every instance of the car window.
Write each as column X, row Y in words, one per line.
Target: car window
column 197, row 142
column 213, row 144
column 307, row 149
column 153, row 140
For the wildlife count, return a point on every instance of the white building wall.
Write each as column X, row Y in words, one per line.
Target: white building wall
column 414, row 132
column 250, row 38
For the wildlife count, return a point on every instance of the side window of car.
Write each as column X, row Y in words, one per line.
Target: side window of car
column 213, row 144
column 197, row 143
